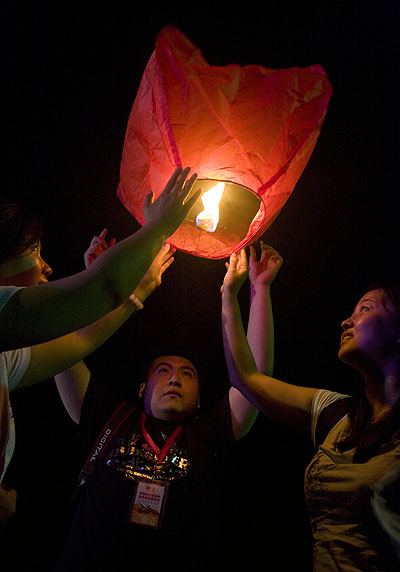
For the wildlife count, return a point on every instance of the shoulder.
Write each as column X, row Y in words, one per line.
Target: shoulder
column 215, row 424
column 13, row 364
column 98, row 406
column 5, row 294
column 328, row 407
column 99, row 400
column 323, row 398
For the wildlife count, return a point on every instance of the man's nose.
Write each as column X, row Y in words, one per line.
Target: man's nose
column 174, row 381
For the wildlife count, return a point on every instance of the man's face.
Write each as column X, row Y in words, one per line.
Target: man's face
column 172, row 389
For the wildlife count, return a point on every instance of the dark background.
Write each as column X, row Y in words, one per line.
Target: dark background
column 70, row 74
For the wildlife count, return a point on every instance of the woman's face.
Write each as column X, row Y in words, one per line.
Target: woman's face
column 372, row 333
column 28, row 269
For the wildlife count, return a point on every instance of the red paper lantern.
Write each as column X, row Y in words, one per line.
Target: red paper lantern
column 250, row 127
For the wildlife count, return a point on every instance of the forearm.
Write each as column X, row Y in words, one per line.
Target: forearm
column 72, row 383
column 238, row 354
column 260, row 330
column 51, row 358
column 281, row 401
column 35, row 315
column 94, row 335
column 260, row 337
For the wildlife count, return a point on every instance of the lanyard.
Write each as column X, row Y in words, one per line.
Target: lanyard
column 159, row 454
column 114, row 422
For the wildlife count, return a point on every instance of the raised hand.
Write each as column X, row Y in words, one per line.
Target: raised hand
column 97, row 246
column 170, row 207
column 152, row 279
column 262, row 271
column 236, row 274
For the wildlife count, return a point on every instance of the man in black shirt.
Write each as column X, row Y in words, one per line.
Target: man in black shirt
column 149, row 496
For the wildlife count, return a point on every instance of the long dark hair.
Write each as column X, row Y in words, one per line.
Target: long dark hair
column 20, row 229
column 372, row 438
column 368, row 438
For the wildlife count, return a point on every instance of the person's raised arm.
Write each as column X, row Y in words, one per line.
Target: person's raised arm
column 281, row 401
column 72, row 383
column 260, row 330
column 37, row 314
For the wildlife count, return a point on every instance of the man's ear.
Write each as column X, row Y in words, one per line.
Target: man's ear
column 141, row 389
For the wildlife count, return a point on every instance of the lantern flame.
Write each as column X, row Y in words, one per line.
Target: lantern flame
column 208, row 218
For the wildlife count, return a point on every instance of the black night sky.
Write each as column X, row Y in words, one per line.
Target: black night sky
column 70, row 73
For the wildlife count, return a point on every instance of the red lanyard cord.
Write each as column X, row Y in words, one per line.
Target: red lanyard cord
column 159, row 454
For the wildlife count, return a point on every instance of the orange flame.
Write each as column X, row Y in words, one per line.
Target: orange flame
column 208, row 218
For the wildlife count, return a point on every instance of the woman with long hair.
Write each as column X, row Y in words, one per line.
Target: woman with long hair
column 352, row 484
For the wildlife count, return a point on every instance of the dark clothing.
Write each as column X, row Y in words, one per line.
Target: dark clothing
column 101, row 537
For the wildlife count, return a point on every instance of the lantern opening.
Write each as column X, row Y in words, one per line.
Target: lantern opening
column 223, row 215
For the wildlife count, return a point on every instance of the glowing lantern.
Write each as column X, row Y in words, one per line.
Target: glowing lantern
column 250, row 127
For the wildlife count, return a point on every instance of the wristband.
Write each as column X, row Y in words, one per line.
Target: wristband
column 136, row 302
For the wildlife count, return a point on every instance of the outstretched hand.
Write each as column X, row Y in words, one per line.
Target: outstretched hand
column 237, row 270
column 152, row 279
column 97, row 246
column 170, row 207
column 264, row 270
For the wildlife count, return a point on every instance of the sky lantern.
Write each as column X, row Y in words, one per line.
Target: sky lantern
column 247, row 131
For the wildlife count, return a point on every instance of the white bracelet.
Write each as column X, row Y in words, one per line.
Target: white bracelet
column 136, row 302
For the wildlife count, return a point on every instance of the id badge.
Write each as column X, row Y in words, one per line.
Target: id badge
column 149, row 501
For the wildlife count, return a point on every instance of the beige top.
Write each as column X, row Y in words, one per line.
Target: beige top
column 347, row 534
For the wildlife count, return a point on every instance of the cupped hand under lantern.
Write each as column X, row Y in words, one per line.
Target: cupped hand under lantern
column 263, row 271
column 236, row 272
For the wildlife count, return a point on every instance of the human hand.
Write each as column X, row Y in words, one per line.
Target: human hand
column 236, row 274
column 152, row 279
column 170, row 207
column 263, row 271
column 97, row 246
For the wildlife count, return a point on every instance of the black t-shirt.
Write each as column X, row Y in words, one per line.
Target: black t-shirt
column 101, row 536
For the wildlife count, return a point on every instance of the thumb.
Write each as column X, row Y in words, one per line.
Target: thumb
column 253, row 253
